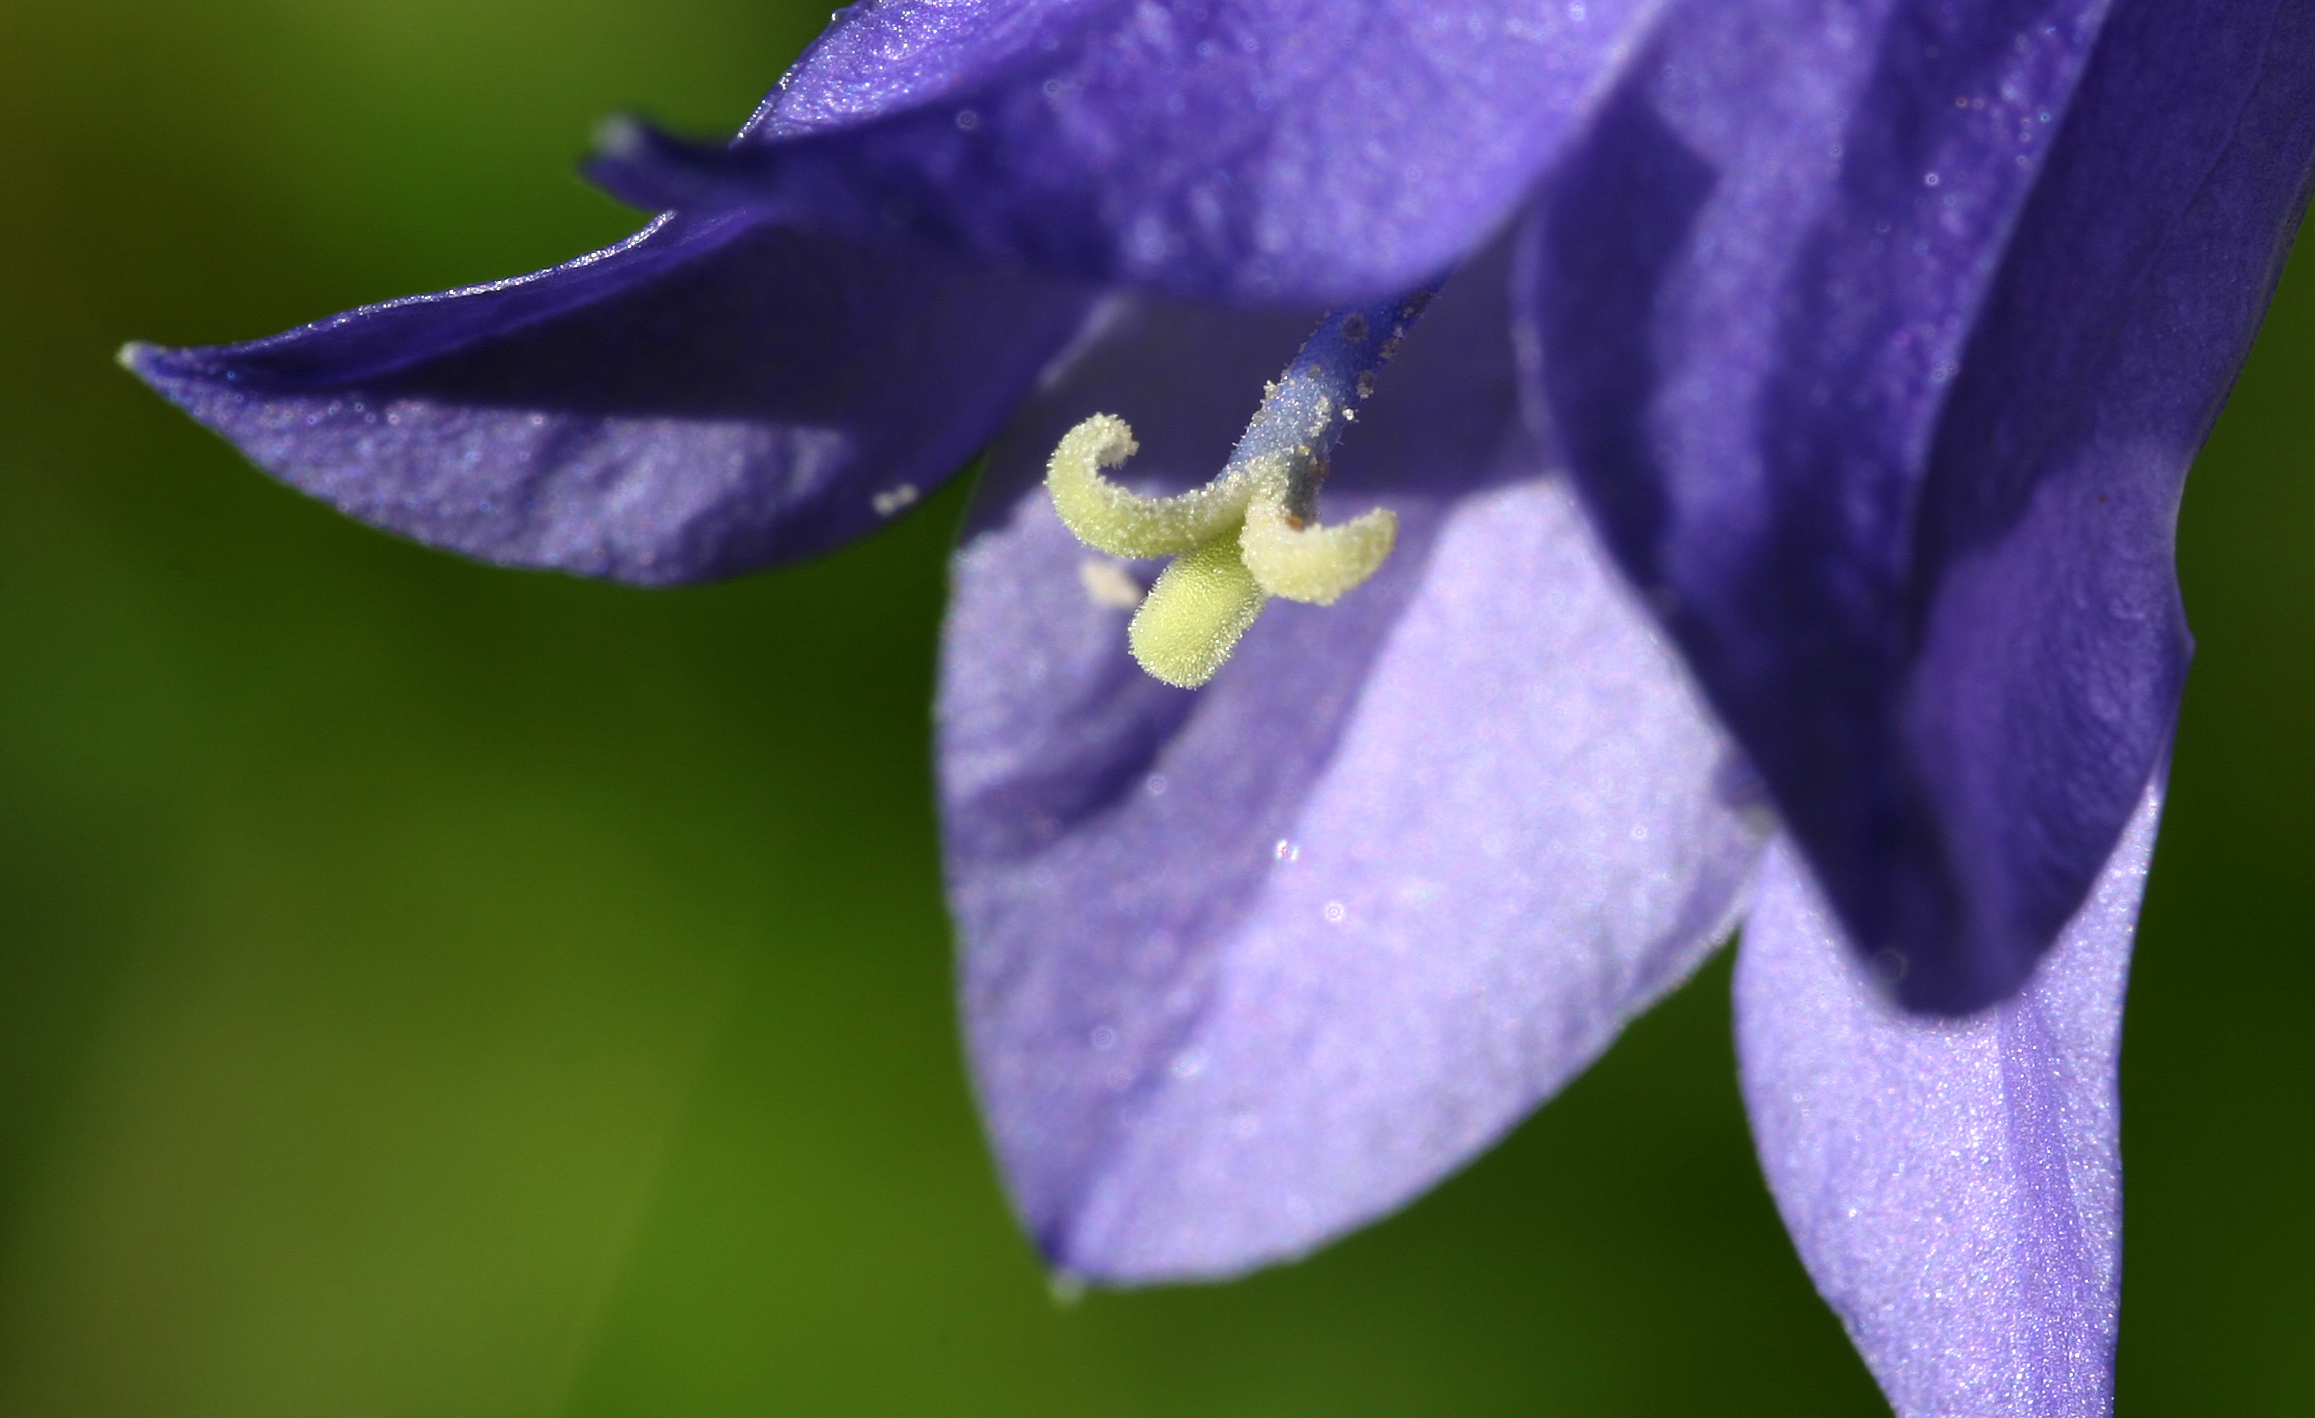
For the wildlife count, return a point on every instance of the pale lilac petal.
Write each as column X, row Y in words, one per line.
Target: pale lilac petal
column 1246, row 968
column 1954, row 1186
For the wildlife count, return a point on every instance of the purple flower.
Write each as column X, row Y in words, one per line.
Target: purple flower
column 1783, row 483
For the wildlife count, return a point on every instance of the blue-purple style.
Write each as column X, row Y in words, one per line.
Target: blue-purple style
column 1784, row 481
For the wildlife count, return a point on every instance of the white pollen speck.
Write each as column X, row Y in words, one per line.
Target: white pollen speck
column 1189, row 1065
column 1108, row 585
column 1639, row 832
column 1334, row 913
column 1104, row 1038
column 1286, row 851
column 1154, row 785
column 887, row 503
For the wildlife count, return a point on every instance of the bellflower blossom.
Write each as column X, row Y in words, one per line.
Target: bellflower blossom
column 1773, row 527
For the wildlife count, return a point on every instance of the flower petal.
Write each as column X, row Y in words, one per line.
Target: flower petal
column 1252, row 150
column 699, row 400
column 1880, row 345
column 1954, row 1186
column 1245, row 968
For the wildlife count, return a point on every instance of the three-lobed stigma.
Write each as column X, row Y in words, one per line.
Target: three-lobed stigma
column 1253, row 532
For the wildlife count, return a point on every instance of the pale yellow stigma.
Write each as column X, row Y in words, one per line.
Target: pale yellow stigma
column 1235, row 540
column 1108, row 518
column 1307, row 562
column 1188, row 626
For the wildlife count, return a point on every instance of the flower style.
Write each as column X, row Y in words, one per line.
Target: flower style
column 1783, row 483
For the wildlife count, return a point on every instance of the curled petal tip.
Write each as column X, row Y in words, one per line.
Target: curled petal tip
column 621, row 136
column 646, row 168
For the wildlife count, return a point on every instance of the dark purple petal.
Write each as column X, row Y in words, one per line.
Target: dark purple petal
column 1880, row 341
column 1954, row 1186
column 1248, row 150
column 1247, row 967
column 699, row 400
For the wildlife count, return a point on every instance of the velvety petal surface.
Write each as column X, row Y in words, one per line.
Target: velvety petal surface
column 1954, row 1186
column 1880, row 336
column 699, row 400
column 1262, row 150
column 1247, row 967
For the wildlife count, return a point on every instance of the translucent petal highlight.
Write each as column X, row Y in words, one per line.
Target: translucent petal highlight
column 1953, row 1185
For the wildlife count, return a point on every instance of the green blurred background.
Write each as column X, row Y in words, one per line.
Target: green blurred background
column 432, row 990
